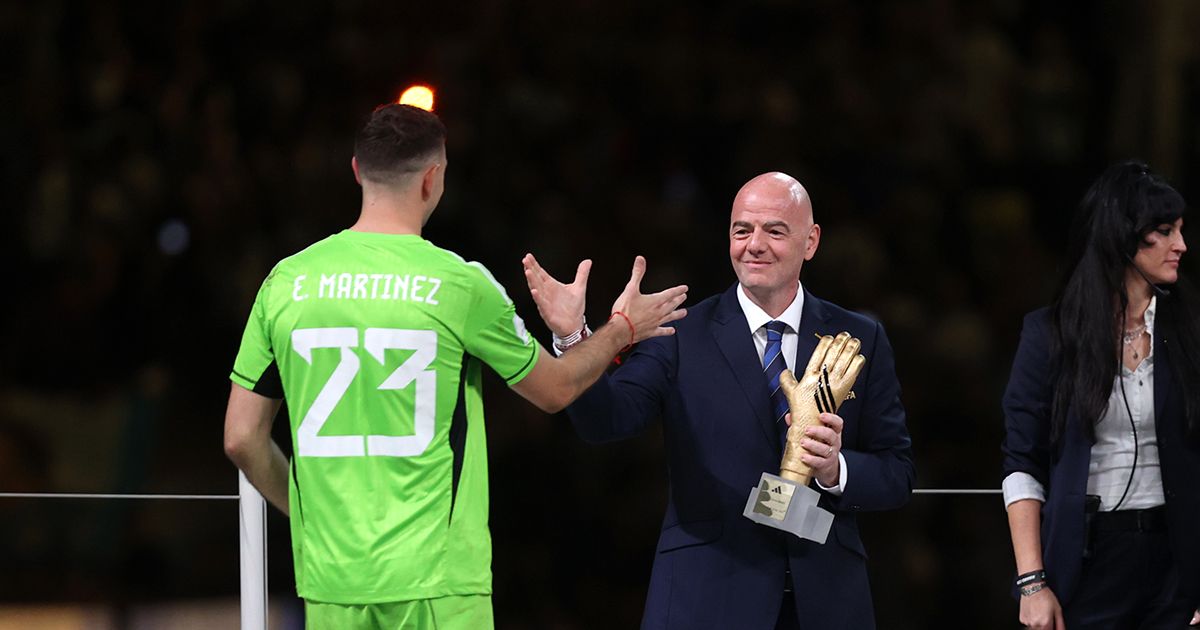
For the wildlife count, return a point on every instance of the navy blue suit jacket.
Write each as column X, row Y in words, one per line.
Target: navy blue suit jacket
column 1063, row 470
column 714, row 568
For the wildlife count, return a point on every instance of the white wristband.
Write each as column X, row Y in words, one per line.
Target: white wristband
column 563, row 343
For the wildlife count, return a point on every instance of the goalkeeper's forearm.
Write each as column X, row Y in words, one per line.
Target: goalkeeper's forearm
column 555, row 383
column 267, row 470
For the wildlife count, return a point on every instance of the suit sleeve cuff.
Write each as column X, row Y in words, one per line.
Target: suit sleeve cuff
column 841, row 484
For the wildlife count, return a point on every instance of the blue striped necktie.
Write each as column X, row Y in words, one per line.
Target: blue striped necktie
column 773, row 366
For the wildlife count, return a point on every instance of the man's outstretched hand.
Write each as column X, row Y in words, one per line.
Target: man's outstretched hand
column 560, row 305
column 648, row 313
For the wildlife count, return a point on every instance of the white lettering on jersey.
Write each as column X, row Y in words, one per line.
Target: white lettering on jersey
column 437, row 284
column 297, row 287
column 372, row 286
column 415, row 296
column 400, row 288
column 414, row 368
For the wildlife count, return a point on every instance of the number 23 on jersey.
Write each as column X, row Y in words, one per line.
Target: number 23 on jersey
column 377, row 341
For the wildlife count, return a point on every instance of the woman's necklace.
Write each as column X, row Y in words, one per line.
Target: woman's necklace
column 1132, row 335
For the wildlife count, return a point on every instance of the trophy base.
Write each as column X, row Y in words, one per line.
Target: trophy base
column 784, row 505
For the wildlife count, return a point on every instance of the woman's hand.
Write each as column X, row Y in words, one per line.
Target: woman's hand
column 1041, row 611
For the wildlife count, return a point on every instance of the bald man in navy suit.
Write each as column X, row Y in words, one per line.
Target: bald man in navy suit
column 713, row 567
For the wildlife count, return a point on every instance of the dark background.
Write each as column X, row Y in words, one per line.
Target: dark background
column 157, row 160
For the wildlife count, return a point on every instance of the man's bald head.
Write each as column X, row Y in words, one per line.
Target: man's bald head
column 771, row 235
column 775, row 189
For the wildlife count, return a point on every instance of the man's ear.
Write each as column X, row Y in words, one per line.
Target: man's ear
column 354, row 167
column 814, row 239
column 429, row 181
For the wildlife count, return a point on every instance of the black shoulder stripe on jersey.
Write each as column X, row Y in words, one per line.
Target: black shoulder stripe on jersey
column 458, row 431
column 269, row 384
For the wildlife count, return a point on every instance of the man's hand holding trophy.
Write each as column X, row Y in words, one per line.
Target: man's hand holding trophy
column 785, row 501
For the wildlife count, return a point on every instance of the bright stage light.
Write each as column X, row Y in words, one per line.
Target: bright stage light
column 418, row 96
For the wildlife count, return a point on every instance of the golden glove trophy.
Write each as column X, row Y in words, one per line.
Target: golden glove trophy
column 785, row 501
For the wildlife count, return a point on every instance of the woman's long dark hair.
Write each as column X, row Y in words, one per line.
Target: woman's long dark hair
column 1116, row 214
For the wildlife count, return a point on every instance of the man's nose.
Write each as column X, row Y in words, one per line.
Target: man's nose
column 756, row 241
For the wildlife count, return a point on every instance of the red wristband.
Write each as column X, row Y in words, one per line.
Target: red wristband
column 631, row 331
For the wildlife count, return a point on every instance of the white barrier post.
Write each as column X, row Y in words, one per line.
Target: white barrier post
column 252, row 515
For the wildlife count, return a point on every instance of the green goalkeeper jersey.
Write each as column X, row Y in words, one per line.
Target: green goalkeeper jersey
column 375, row 341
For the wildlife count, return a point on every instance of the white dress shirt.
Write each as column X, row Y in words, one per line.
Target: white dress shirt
column 758, row 320
column 1112, row 456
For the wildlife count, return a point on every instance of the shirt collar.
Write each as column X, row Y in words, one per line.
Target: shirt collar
column 757, row 318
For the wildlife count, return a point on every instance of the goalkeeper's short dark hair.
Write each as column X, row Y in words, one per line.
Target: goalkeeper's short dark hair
column 396, row 141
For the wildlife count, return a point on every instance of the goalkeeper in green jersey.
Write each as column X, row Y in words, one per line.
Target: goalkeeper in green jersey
column 376, row 338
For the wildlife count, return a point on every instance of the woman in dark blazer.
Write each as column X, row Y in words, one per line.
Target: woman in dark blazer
column 1102, row 419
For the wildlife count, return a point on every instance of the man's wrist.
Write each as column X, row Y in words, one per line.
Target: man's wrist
column 629, row 323
column 839, row 483
column 563, row 343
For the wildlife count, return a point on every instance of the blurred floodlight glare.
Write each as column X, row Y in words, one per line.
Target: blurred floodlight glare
column 418, row 96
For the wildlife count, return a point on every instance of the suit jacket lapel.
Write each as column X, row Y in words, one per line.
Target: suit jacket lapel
column 1162, row 379
column 813, row 320
column 732, row 335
